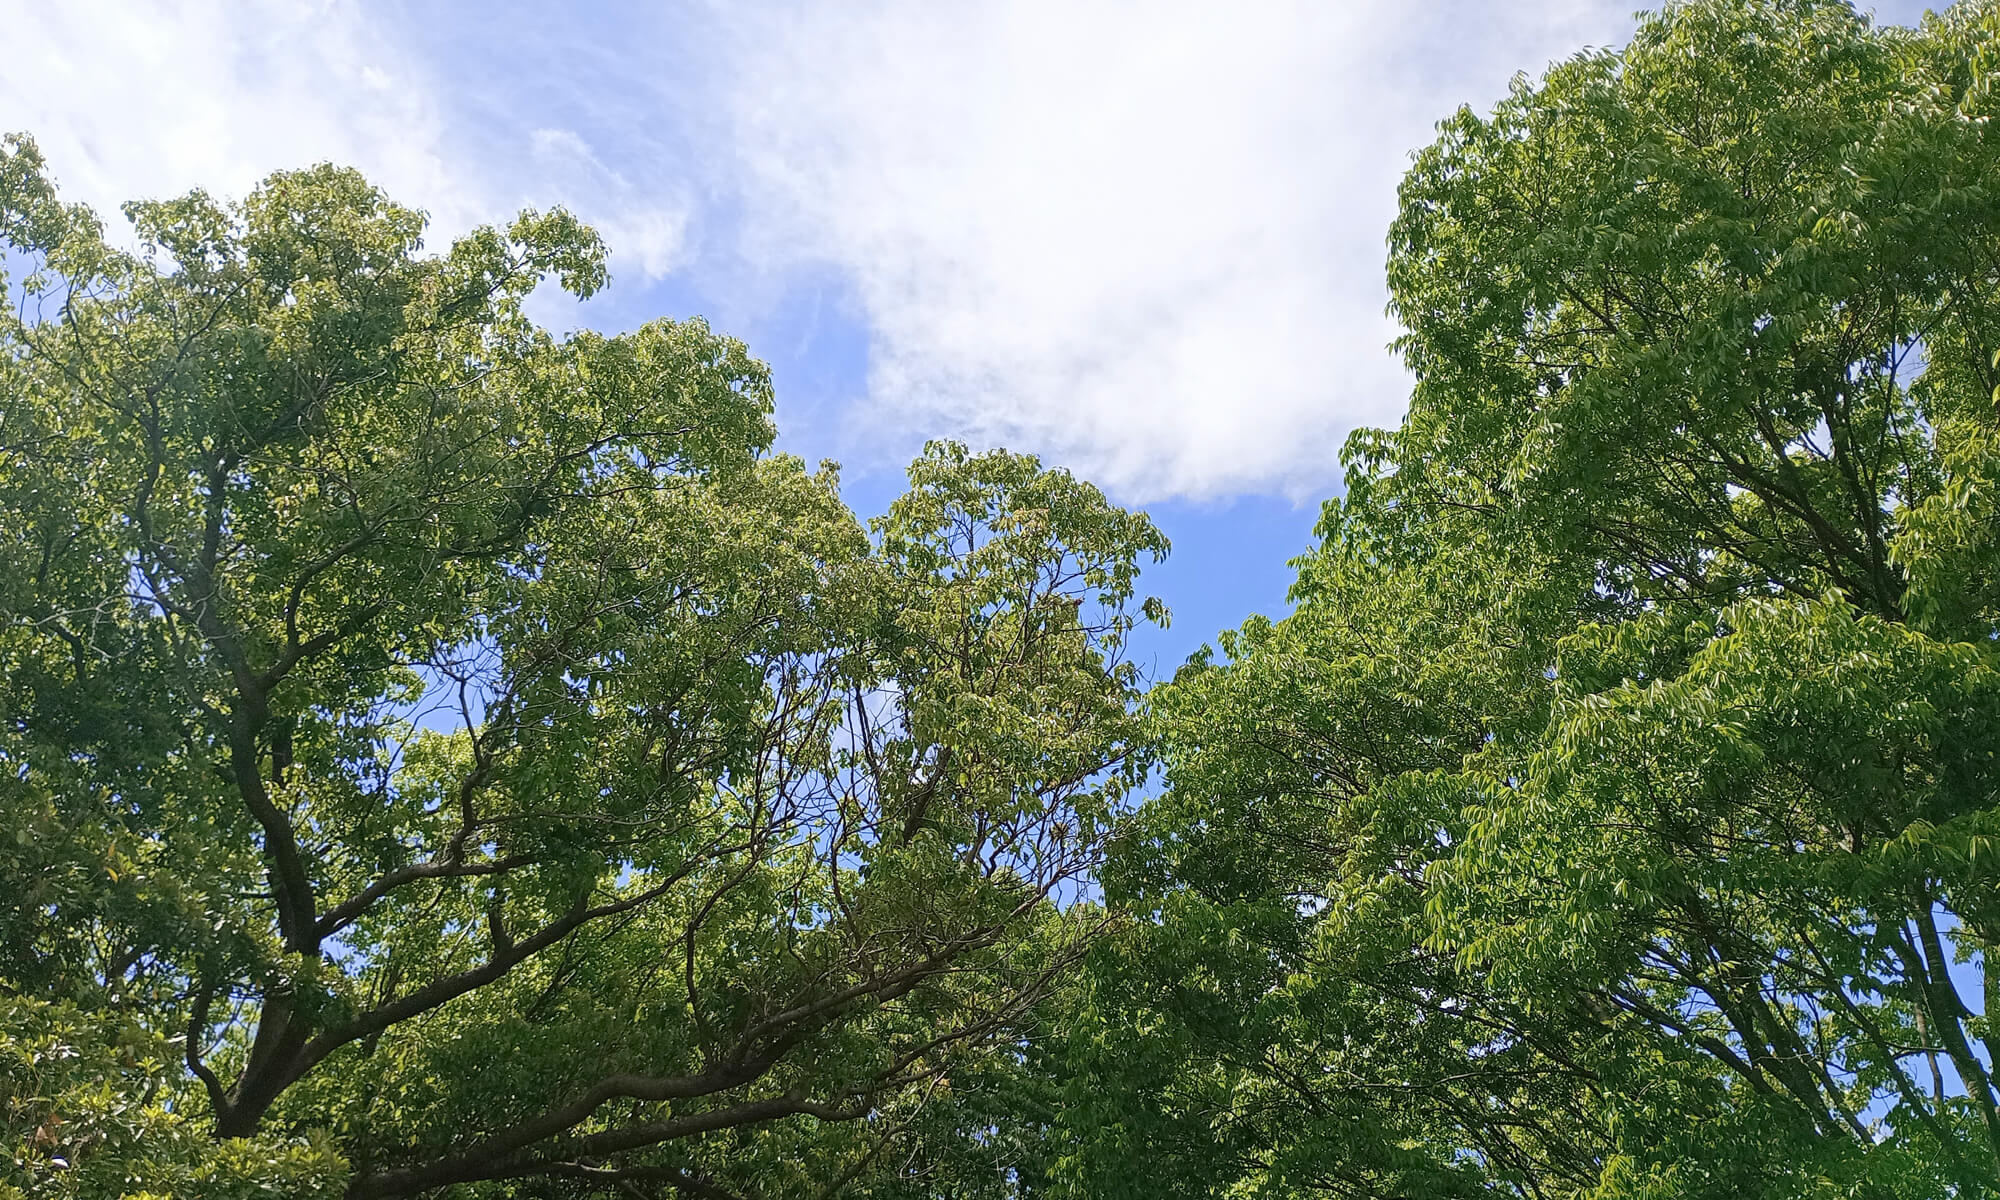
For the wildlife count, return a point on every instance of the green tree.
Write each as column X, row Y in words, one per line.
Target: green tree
column 1609, row 815
column 437, row 753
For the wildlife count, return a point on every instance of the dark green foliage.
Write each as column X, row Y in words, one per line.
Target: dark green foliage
column 1606, row 819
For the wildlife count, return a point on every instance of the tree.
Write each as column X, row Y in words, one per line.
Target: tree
column 474, row 754
column 1615, row 816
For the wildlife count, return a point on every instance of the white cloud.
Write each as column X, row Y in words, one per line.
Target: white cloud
column 1146, row 240
column 152, row 100
column 148, row 100
column 638, row 229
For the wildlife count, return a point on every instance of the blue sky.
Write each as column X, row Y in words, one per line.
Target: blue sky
column 1144, row 241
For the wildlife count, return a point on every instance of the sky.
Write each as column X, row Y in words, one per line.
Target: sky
column 1144, row 241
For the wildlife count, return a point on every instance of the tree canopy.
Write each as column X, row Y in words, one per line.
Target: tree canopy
column 440, row 753
column 442, row 758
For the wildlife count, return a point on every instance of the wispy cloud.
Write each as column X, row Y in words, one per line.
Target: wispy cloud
column 154, row 99
column 148, row 99
column 644, row 229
